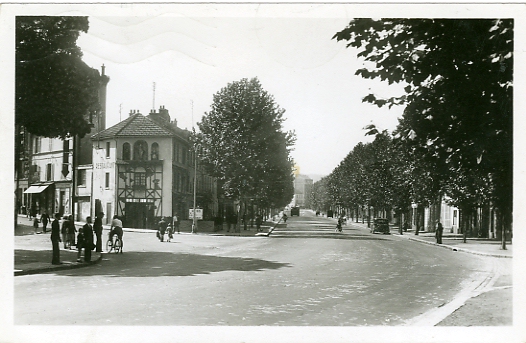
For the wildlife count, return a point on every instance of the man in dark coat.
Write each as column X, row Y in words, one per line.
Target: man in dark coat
column 439, row 232
column 55, row 239
column 87, row 236
column 97, row 227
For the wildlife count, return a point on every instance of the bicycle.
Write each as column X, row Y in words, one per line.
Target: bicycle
column 115, row 246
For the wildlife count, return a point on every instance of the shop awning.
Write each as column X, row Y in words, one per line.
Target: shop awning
column 36, row 189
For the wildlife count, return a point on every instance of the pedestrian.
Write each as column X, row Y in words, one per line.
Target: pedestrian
column 35, row 224
column 259, row 221
column 55, row 239
column 162, row 229
column 97, row 227
column 438, row 233
column 175, row 223
column 80, row 242
column 64, row 230
column 87, row 236
column 72, row 230
column 44, row 218
column 170, row 232
column 285, row 217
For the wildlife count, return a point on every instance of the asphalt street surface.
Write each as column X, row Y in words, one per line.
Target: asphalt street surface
column 303, row 275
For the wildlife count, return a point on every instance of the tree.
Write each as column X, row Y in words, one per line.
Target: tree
column 244, row 144
column 458, row 95
column 56, row 92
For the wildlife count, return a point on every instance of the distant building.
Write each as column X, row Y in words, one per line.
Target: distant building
column 302, row 190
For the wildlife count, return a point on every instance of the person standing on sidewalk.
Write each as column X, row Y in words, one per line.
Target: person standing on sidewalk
column 175, row 223
column 64, row 231
column 80, row 242
column 44, row 218
column 97, row 227
column 87, row 235
column 72, row 230
column 439, row 232
column 259, row 221
column 55, row 239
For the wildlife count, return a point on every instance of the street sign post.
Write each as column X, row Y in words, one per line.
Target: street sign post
column 198, row 213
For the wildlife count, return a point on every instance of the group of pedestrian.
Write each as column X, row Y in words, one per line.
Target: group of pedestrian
column 84, row 237
column 68, row 232
column 166, row 226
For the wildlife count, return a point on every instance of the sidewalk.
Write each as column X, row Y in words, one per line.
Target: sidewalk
column 33, row 251
column 478, row 246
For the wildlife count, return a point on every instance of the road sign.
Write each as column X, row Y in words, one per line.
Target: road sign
column 198, row 213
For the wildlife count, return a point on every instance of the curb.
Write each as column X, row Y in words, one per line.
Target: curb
column 453, row 248
column 64, row 266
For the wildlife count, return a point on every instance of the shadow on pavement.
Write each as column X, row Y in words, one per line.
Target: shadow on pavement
column 23, row 256
column 153, row 264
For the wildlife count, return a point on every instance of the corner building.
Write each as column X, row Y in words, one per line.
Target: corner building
column 142, row 170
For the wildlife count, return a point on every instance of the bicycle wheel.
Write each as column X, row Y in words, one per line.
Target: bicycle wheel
column 109, row 245
column 118, row 246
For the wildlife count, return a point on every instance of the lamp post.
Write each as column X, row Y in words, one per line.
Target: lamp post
column 194, row 222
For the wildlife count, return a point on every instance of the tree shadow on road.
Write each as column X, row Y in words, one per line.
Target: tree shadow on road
column 152, row 264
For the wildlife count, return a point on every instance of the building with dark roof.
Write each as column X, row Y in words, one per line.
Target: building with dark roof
column 144, row 170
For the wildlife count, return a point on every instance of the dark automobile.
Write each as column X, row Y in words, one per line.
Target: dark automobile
column 295, row 211
column 380, row 225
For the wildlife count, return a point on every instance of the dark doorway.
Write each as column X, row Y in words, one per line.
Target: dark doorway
column 139, row 215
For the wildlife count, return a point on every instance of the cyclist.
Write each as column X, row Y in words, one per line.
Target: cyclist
column 116, row 229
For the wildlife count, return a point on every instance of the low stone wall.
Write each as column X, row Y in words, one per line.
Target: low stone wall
column 202, row 226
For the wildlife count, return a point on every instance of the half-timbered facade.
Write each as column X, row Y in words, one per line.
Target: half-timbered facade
column 132, row 171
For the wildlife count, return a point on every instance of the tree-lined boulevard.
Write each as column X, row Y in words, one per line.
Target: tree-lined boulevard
column 304, row 274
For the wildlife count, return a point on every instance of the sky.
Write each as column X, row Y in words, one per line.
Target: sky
column 190, row 52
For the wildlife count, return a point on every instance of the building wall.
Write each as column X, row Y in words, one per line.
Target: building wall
column 104, row 197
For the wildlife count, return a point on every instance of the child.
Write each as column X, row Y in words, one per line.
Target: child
column 80, row 245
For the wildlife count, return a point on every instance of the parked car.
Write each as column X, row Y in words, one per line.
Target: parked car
column 295, row 211
column 380, row 225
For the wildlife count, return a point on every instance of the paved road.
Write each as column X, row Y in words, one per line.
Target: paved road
column 303, row 275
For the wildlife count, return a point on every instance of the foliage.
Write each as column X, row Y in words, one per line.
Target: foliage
column 56, row 91
column 457, row 126
column 244, row 145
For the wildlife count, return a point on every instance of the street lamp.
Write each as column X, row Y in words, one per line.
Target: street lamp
column 194, row 222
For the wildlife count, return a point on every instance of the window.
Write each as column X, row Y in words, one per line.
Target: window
column 155, row 152
column 49, row 172
column 38, row 142
column 140, row 151
column 107, row 180
column 140, row 179
column 107, row 149
column 81, row 178
column 50, row 144
column 126, row 152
